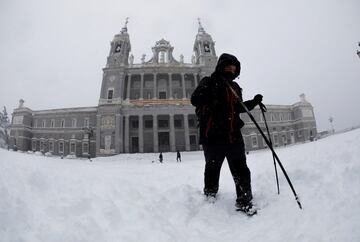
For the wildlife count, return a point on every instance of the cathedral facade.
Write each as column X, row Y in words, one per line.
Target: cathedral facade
column 145, row 107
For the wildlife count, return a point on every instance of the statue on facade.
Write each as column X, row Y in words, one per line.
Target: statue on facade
column 131, row 59
column 193, row 59
column 21, row 103
column 181, row 58
column 143, row 59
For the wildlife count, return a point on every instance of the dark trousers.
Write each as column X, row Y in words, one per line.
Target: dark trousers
column 235, row 155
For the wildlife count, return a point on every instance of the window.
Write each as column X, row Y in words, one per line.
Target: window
column 36, row 123
column 85, row 148
column 136, row 84
column 176, row 83
column 206, row 48
column 33, row 145
column 299, row 133
column 61, row 147
column 149, row 83
column 135, row 124
column 272, row 118
column 62, row 123
column 73, row 122
column 189, row 83
column 51, row 146
column 110, row 94
column 178, row 123
column 162, row 95
column 192, row 123
column 254, row 141
column 163, row 123
column 42, row 145
column 118, row 48
column 52, row 123
column 86, row 122
column 72, row 147
column 193, row 140
column 284, row 139
column 43, row 123
column 148, row 124
column 276, row 139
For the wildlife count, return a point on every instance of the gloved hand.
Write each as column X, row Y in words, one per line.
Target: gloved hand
column 258, row 99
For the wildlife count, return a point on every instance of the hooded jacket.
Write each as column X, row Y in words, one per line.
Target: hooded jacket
column 217, row 108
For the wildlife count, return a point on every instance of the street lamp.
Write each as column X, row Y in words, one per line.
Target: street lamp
column 331, row 120
column 90, row 132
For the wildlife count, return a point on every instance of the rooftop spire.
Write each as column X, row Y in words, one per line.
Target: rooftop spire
column 200, row 29
column 124, row 29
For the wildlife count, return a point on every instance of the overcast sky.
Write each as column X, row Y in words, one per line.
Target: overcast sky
column 52, row 52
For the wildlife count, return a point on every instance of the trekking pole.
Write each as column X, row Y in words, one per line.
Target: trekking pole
column 263, row 110
column 268, row 143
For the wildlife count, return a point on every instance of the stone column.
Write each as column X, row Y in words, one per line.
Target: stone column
column 156, row 138
column 183, row 85
column 142, row 87
column 155, row 87
column 117, row 133
column 141, row 134
column 186, row 127
column 98, row 133
column 172, row 133
column 195, row 80
column 128, row 88
column 170, row 87
column 126, row 140
column 121, row 130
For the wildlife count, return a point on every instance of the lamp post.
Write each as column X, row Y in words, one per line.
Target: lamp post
column 90, row 132
column 331, row 120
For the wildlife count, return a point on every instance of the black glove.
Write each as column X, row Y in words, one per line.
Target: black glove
column 258, row 99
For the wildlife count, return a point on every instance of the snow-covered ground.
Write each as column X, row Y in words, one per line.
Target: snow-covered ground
column 127, row 198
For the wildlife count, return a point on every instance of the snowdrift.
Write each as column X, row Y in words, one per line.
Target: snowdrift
column 128, row 198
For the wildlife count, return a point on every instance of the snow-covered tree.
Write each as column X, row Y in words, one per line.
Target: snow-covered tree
column 4, row 128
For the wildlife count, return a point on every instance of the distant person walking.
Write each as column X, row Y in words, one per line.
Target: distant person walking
column 161, row 157
column 178, row 156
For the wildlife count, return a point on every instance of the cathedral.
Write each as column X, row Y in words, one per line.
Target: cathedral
column 145, row 107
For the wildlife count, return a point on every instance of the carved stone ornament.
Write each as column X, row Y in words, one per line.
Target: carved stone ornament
column 108, row 122
column 107, row 142
column 112, row 78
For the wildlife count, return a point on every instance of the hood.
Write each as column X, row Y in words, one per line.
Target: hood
column 227, row 59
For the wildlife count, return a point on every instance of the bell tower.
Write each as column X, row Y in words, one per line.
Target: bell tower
column 204, row 48
column 114, row 72
column 120, row 49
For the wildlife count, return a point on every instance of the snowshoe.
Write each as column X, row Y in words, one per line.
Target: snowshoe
column 210, row 197
column 248, row 209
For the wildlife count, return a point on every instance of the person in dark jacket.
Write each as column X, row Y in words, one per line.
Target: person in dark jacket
column 161, row 157
column 218, row 110
column 178, row 156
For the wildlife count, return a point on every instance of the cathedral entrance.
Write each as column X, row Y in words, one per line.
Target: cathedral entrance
column 164, row 141
column 134, row 144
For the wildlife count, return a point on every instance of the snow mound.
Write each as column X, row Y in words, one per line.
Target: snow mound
column 129, row 198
